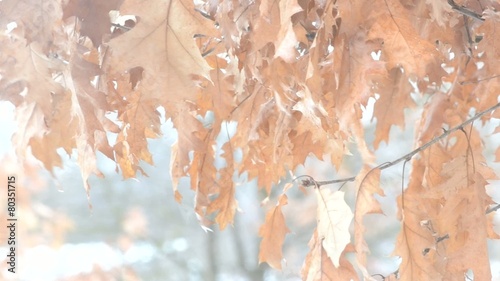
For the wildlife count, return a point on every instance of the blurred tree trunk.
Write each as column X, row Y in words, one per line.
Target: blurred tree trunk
column 253, row 272
column 212, row 263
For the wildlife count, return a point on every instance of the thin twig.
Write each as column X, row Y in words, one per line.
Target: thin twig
column 464, row 11
column 444, row 135
column 477, row 80
column 378, row 274
column 403, row 187
column 493, row 209
column 320, row 183
column 467, row 30
column 310, row 181
column 440, row 239
column 121, row 26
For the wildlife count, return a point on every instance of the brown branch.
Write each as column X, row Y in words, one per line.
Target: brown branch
column 464, row 11
column 121, row 26
column 311, row 182
column 493, row 209
column 444, row 237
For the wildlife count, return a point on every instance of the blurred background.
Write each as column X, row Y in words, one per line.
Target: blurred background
column 136, row 231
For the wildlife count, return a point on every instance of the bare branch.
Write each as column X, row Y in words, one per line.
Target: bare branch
column 493, row 209
column 444, row 237
column 121, row 26
column 464, row 11
column 444, row 135
column 312, row 182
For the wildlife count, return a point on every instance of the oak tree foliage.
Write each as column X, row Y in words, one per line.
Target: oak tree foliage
column 295, row 76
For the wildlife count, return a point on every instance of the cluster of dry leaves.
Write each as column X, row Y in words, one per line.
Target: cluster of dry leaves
column 294, row 75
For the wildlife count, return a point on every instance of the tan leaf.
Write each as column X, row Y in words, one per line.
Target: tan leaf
column 218, row 96
column 318, row 266
column 267, row 24
column 175, row 173
column 30, row 121
column 88, row 103
column 39, row 20
column 94, row 17
column 273, row 233
column 461, row 214
column 403, row 45
column 131, row 146
column 440, row 11
column 88, row 107
column 59, row 133
column 162, row 44
column 303, row 146
column 87, row 162
column 204, row 181
column 434, row 117
column 190, row 138
column 368, row 182
column 286, row 42
column 444, row 213
column 334, row 219
column 27, row 68
column 394, row 91
column 225, row 203
column 414, row 240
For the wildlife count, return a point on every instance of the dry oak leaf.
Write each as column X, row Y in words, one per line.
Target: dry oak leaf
column 219, row 94
column 303, row 146
column 40, row 20
column 203, row 178
column 287, row 41
column 453, row 208
column 60, row 132
column 131, row 146
column 460, row 215
column 273, row 233
column 142, row 121
column 175, row 174
column 188, row 140
column 394, row 91
column 27, row 68
column 89, row 107
column 368, row 182
column 94, row 17
column 265, row 24
column 334, row 218
column 439, row 12
column 225, row 203
column 470, row 242
column 92, row 102
column 162, row 44
column 403, row 45
column 433, row 117
column 274, row 25
column 318, row 266
column 264, row 159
